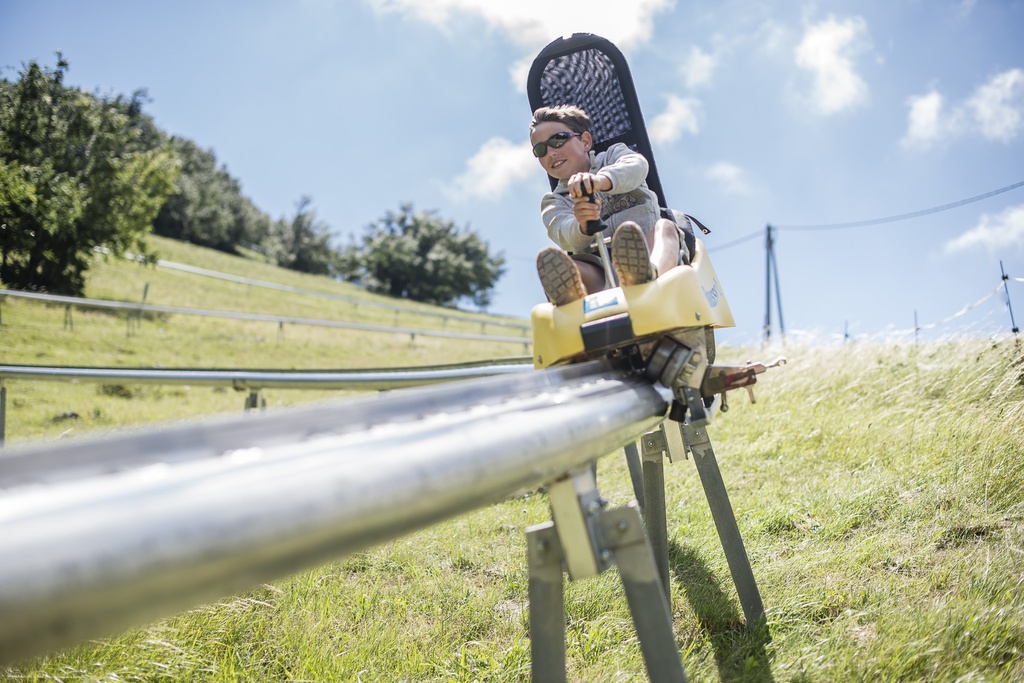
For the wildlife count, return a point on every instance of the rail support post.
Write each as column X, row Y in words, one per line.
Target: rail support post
column 666, row 441
column 255, row 400
column 635, row 472
column 675, row 440
column 547, row 606
column 587, row 539
column 3, row 413
column 698, row 443
column 655, row 516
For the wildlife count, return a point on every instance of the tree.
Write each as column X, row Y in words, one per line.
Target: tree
column 207, row 207
column 303, row 243
column 78, row 171
column 423, row 257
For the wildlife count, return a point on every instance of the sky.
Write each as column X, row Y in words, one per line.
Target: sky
column 788, row 113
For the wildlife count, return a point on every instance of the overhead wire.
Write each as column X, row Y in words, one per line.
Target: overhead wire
column 872, row 221
column 902, row 216
column 746, row 238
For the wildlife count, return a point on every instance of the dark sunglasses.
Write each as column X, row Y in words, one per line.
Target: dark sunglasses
column 556, row 141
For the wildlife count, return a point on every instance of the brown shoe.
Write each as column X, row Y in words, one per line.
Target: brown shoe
column 559, row 276
column 630, row 258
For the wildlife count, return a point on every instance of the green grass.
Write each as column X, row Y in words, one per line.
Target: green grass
column 38, row 334
column 878, row 490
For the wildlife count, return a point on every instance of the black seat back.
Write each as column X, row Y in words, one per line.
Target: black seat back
column 591, row 73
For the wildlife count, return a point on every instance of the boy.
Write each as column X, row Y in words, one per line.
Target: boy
column 643, row 245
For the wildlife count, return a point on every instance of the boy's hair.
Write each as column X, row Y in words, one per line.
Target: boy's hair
column 572, row 116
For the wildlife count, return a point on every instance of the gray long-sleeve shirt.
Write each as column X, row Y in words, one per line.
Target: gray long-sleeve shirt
column 628, row 200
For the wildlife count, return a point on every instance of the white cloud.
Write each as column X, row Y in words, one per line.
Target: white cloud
column 995, row 110
column 925, row 123
column 680, row 116
column 1005, row 229
column 534, row 23
column 498, row 165
column 997, row 106
column 698, row 68
column 728, row 176
column 827, row 51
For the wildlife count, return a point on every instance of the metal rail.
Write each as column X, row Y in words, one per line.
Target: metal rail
column 370, row 378
column 262, row 317
column 184, row 515
column 256, row 380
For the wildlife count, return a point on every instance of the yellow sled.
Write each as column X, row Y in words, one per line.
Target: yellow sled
column 684, row 298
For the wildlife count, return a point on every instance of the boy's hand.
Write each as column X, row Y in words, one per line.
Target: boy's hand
column 586, row 210
column 586, row 204
column 583, row 184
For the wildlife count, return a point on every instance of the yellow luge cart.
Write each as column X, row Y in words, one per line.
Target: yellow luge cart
column 686, row 297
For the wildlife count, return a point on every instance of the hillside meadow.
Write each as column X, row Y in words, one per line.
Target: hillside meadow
column 878, row 489
column 36, row 333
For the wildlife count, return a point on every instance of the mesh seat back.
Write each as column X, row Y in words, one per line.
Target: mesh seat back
column 591, row 73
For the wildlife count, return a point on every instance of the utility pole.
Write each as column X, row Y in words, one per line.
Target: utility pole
column 1006, row 290
column 771, row 267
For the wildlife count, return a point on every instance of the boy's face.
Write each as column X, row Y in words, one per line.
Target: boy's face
column 572, row 157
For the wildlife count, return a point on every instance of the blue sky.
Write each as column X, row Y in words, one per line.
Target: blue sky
column 789, row 113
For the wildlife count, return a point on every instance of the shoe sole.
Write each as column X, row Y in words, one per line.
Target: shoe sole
column 630, row 258
column 559, row 277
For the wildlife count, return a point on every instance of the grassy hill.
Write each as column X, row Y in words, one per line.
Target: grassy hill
column 878, row 490
column 39, row 334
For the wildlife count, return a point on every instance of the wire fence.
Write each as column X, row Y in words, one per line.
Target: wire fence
column 279, row 319
column 356, row 301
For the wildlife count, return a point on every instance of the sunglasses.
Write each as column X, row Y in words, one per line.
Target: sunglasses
column 555, row 141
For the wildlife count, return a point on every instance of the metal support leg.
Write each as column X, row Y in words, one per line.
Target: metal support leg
column 619, row 535
column 255, row 400
column 665, row 441
column 3, row 413
column 635, row 473
column 623, row 534
column 547, row 608
column 655, row 516
column 725, row 522
column 586, row 539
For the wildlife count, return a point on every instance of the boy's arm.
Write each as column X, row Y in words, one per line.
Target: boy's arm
column 625, row 168
column 556, row 211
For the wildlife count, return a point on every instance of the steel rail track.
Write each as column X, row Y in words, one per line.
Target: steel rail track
column 106, row 534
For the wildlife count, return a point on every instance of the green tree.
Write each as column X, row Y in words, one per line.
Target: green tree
column 78, row 171
column 303, row 243
column 423, row 257
column 207, row 207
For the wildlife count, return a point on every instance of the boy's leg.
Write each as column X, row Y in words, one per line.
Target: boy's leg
column 663, row 241
column 592, row 276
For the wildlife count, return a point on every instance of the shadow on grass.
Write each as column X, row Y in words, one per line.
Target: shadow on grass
column 739, row 652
